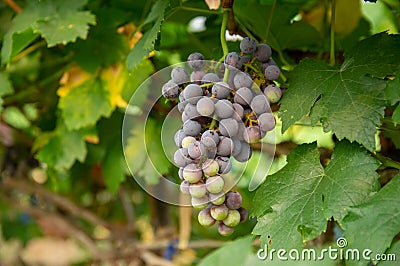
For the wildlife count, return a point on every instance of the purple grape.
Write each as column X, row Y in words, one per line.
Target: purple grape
column 192, row 93
column 232, row 60
column 243, row 96
column 267, row 64
column 197, row 76
column 272, row 72
column 252, row 134
column 225, row 230
column 170, row 90
column 191, row 111
column 210, row 77
column 248, row 45
column 244, row 154
column 228, row 127
column 205, row 106
column 233, row 200
column 242, row 79
column 237, row 146
column 263, row 52
column 244, row 60
column 181, row 157
column 179, row 75
column 238, row 112
column 223, row 109
column 225, row 146
column 224, row 163
column 196, row 61
column 196, row 149
column 266, row 122
column 244, row 214
column 191, row 128
column 178, row 138
column 215, row 184
column 260, row 104
column 210, row 138
column 221, row 90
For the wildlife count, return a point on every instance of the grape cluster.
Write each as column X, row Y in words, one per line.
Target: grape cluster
column 223, row 111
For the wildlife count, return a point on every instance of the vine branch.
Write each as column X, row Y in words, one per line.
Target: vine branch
column 332, row 51
column 13, row 5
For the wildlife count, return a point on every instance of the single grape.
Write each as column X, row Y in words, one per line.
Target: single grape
column 243, row 96
column 237, row 146
column 185, row 187
column 233, row 218
column 192, row 93
column 179, row 75
column 267, row 64
column 204, row 217
column 233, row 200
column 228, row 127
column 211, row 152
column 192, row 173
column 260, row 104
column 215, row 184
column 224, row 147
column 219, row 212
column 238, row 112
column 225, row 230
column 232, row 60
column 223, row 109
column 224, row 163
column 266, row 122
column 273, row 93
column 248, row 45
column 242, row 128
column 187, row 140
column 178, row 138
column 244, row 60
column 242, row 79
column 210, row 138
column 244, row 214
column 191, row 111
column 196, row 149
column 197, row 190
column 252, row 134
column 272, row 72
column 210, row 77
column 244, row 154
column 181, row 157
column 200, row 203
column 196, row 61
column 217, row 198
column 170, row 90
column 205, row 106
column 263, row 52
column 210, row 167
column 220, row 90
column 197, row 76
column 191, row 128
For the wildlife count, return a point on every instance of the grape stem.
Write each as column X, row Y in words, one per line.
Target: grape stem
column 222, row 36
column 332, row 51
column 387, row 162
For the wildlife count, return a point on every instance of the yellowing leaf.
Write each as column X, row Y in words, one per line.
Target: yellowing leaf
column 115, row 78
column 74, row 77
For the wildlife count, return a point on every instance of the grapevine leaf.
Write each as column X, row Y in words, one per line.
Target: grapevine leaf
column 395, row 249
column 113, row 168
column 61, row 149
column 234, row 253
column 392, row 92
column 85, row 104
column 5, row 87
column 346, row 100
column 146, row 44
column 57, row 21
column 373, row 224
column 294, row 204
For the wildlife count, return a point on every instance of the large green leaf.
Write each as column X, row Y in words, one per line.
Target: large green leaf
column 61, row 149
column 85, row 104
column 113, row 167
column 373, row 224
column 58, row 21
column 146, row 43
column 392, row 92
column 294, row 204
column 346, row 99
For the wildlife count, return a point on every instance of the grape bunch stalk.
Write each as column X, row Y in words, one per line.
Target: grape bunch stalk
column 225, row 107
